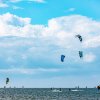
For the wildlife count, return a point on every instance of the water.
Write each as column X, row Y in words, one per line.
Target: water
column 49, row 94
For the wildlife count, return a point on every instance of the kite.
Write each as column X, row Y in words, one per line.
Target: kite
column 80, row 54
column 7, row 80
column 80, row 37
column 62, row 58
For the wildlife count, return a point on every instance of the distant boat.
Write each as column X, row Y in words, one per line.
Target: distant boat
column 22, row 86
column 56, row 90
column 98, row 87
column 4, row 86
column 76, row 90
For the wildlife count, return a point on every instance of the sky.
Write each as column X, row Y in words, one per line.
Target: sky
column 35, row 33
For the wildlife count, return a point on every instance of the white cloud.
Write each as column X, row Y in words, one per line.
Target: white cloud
column 13, row 20
column 62, row 27
column 89, row 57
column 11, row 24
column 59, row 31
column 70, row 10
column 29, row 71
column 15, row 1
column 92, row 42
column 16, row 7
column 3, row 5
column 38, row 1
column 58, row 35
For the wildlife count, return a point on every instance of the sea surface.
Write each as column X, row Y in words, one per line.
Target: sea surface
column 49, row 94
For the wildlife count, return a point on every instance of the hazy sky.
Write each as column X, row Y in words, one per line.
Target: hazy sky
column 35, row 33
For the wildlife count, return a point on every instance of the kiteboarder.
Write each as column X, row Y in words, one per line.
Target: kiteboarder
column 98, row 87
column 62, row 58
column 7, row 80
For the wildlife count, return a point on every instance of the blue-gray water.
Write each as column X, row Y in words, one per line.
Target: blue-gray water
column 49, row 94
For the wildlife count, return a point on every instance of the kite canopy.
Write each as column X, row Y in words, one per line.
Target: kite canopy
column 7, row 80
column 62, row 58
column 80, row 54
column 80, row 37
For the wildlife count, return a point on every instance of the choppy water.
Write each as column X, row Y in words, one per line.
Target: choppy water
column 48, row 94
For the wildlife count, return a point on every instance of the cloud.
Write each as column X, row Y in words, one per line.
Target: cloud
column 38, row 1
column 70, row 10
column 15, row 1
column 29, row 71
column 18, row 1
column 7, row 3
column 89, row 57
column 60, row 30
column 12, row 21
column 3, row 5
column 92, row 42
column 16, row 7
